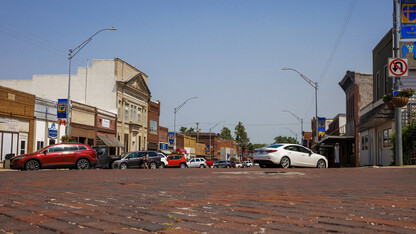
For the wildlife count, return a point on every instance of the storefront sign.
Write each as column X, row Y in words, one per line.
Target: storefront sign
column 52, row 131
column 163, row 146
column 62, row 108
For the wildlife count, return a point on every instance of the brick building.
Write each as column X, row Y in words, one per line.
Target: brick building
column 16, row 122
column 153, row 123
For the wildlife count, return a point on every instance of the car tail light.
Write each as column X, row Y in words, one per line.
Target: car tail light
column 271, row 151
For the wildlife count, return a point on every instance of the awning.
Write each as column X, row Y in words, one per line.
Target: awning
column 181, row 151
column 109, row 141
column 376, row 116
column 166, row 152
column 336, row 139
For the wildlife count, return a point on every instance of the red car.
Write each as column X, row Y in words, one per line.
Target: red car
column 64, row 155
column 177, row 161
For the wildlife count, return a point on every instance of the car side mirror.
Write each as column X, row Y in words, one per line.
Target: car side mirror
column 44, row 152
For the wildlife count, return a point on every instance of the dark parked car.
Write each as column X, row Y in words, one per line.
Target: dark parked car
column 64, row 155
column 106, row 156
column 135, row 159
column 224, row 164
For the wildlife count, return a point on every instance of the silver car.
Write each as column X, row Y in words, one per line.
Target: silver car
column 197, row 162
column 287, row 155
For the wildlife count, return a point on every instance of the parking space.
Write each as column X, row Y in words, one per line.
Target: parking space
column 235, row 200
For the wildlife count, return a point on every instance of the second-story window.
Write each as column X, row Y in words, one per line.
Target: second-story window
column 126, row 113
column 152, row 126
column 119, row 111
column 139, row 115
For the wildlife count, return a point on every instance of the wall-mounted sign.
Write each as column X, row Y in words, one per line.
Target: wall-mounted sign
column 52, row 131
column 321, row 126
column 105, row 123
column 171, row 138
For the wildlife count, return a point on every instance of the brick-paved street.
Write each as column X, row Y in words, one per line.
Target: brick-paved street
column 254, row 200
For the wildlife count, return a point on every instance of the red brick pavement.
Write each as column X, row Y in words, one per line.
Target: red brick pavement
column 254, row 200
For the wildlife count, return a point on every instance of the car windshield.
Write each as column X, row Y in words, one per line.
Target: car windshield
column 124, row 155
column 273, row 146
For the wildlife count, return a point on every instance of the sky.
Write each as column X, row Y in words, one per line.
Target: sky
column 228, row 53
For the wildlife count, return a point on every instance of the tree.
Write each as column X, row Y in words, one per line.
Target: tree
column 183, row 129
column 408, row 144
column 190, row 130
column 255, row 146
column 241, row 135
column 226, row 134
column 284, row 139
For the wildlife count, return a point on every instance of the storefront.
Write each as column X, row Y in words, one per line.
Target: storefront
column 83, row 123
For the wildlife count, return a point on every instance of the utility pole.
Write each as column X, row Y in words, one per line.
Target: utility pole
column 398, row 113
column 197, row 132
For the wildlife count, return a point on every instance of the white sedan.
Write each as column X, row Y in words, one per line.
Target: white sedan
column 287, row 155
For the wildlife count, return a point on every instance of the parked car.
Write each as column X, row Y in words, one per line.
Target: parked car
column 247, row 164
column 164, row 159
column 63, row 155
column 105, row 157
column 224, row 164
column 239, row 164
column 197, row 162
column 287, row 155
column 135, row 159
column 177, row 160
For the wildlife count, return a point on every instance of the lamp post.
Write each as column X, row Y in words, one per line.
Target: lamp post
column 294, row 133
column 315, row 86
column 210, row 151
column 174, row 120
column 301, row 122
column 72, row 53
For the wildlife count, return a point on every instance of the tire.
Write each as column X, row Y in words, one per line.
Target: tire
column 162, row 165
column 182, row 165
column 215, row 166
column 83, row 164
column 228, row 166
column 32, row 165
column 114, row 165
column 152, row 165
column 321, row 164
column 123, row 166
column 201, row 166
column 262, row 165
column 285, row 162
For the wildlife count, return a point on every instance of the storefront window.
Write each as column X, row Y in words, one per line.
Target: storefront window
column 387, row 134
column 39, row 145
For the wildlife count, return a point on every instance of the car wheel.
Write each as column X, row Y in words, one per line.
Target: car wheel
column 162, row 165
column 114, row 165
column 201, row 166
column 83, row 164
column 153, row 165
column 123, row 166
column 32, row 165
column 182, row 165
column 215, row 166
column 228, row 166
column 321, row 164
column 262, row 165
column 285, row 162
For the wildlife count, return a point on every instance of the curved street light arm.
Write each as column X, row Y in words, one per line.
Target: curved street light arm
column 292, row 114
column 181, row 105
column 313, row 84
column 83, row 44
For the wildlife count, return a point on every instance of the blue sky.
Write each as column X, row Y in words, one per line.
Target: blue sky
column 228, row 53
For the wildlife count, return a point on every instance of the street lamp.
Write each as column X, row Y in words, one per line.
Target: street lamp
column 210, row 151
column 72, row 53
column 294, row 133
column 174, row 120
column 301, row 122
column 315, row 86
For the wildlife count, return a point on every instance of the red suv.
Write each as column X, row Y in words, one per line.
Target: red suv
column 177, row 161
column 64, row 155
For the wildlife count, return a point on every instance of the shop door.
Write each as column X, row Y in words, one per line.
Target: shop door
column 22, row 144
column 9, row 144
column 371, row 149
column 379, row 148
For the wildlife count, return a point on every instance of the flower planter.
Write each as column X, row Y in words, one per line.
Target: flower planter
column 400, row 101
column 390, row 105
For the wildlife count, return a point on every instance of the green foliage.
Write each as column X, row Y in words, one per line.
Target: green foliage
column 255, row 146
column 405, row 93
column 67, row 139
column 186, row 130
column 226, row 134
column 408, row 143
column 241, row 135
column 284, row 139
column 387, row 97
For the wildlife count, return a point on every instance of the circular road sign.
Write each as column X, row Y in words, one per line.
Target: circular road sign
column 398, row 67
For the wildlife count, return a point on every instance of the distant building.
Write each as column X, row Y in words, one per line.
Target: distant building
column 153, row 130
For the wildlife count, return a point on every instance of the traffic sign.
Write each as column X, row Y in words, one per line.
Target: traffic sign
column 398, row 67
